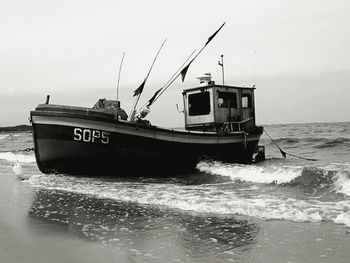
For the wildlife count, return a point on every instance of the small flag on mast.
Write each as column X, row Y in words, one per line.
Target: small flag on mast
column 139, row 89
column 153, row 97
column 213, row 35
column 184, row 71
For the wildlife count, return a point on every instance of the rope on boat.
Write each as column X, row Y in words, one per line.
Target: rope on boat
column 284, row 153
column 21, row 150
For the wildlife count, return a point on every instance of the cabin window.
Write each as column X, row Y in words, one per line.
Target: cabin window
column 247, row 101
column 226, row 99
column 199, row 103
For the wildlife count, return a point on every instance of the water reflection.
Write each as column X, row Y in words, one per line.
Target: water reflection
column 145, row 230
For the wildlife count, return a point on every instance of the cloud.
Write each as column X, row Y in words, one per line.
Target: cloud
column 74, row 48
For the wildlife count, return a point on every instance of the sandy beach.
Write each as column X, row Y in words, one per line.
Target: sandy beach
column 41, row 225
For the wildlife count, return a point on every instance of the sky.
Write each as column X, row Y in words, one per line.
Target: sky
column 295, row 52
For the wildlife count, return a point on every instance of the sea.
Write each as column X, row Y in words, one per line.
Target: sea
column 280, row 210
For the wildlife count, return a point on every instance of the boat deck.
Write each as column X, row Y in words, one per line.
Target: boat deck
column 89, row 113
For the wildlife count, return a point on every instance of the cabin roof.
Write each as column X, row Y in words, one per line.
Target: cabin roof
column 217, row 86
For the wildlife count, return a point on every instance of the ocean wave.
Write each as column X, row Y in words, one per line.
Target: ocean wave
column 10, row 136
column 332, row 178
column 17, row 157
column 314, row 179
column 342, row 183
column 329, row 143
column 202, row 199
column 315, row 142
column 343, row 218
column 278, row 174
column 287, row 140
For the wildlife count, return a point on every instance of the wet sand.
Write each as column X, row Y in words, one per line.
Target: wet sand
column 42, row 225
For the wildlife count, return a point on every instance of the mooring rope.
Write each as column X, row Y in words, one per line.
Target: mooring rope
column 284, row 153
column 21, row 150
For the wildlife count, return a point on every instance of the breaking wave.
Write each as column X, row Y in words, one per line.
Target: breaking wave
column 252, row 173
column 343, row 218
column 334, row 178
column 223, row 198
column 342, row 183
column 17, row 157
column 4, row 136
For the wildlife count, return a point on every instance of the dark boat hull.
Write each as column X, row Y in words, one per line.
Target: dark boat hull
column 82, row 142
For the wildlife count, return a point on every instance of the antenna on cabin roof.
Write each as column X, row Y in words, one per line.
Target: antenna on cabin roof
column 120, row 69
column 221, row 63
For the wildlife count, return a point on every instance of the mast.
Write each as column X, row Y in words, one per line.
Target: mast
column 120, row 68
column 139, row 90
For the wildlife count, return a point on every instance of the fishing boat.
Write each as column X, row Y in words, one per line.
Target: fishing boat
column 219, row 125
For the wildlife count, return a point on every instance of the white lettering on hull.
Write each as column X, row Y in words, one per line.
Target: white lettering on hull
column 91, row 136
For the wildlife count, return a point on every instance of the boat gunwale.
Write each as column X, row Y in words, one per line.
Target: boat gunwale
column 136, row 125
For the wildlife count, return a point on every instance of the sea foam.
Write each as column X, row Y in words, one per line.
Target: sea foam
column 3, row 136
column 201, row 199
column 342, row 183
column 252, row 173
column 343, row 218
column 17, row 157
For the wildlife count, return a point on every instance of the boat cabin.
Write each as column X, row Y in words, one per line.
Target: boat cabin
column 211, row 107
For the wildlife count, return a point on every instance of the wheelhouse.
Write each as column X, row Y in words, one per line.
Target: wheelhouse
column 211, row 107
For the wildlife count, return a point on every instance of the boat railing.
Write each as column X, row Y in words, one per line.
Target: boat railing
column 232, row 126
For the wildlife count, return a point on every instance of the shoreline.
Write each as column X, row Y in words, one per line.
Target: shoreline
column 17, row 128
column 42, row 225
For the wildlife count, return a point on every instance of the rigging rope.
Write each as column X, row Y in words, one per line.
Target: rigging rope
column 21, row 150
column 284, row 153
